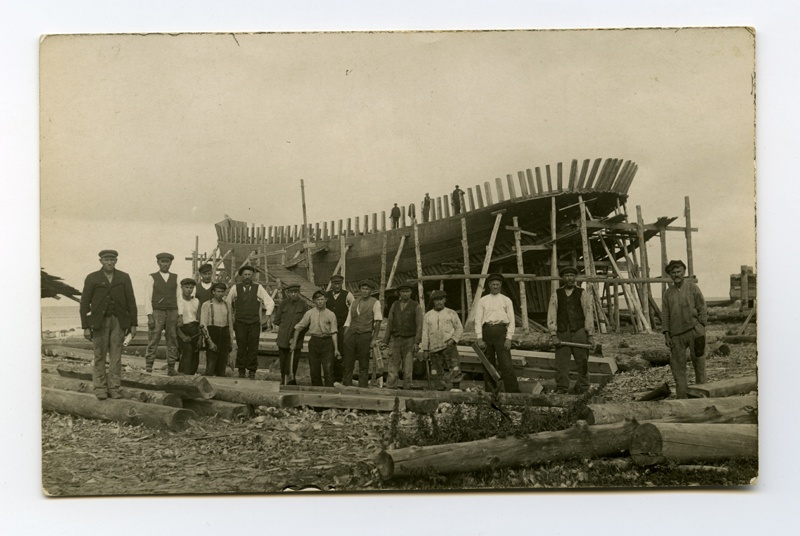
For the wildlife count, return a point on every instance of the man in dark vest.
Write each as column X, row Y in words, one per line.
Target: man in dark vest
column 288, row 313
column 339, row 301
column 361, row 332
column 108, row 310
column 161, row 305
column 404, row 326
column 203, row 291
column 569, row 319
column 252, row 306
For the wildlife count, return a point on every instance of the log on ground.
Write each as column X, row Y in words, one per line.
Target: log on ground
column 580, row 441
column 218, row 408
column 722, row 388
column 711, row 415
column 648, row 411
column 127, row 411
column 131, row 393
column 255, row 397
column 185, row 386
column 658, row 443
column 739, row 339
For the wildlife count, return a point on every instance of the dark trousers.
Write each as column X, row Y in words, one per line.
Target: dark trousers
column 677, row 362
column 320, row 360
column 581, row 355
column 107, row 341
column 338, row 368
column 217, row 360
column 357, row 347
column 247, row 345
column 285, row 358
column 495, row 337
column 189, row 351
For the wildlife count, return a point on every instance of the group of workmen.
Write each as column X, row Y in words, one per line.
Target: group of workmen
column 456, row 202
column 343, row 330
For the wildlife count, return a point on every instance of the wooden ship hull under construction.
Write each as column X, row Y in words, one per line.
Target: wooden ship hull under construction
column 281, row 251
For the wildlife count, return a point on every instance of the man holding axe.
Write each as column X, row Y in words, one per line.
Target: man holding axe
column 571, row 326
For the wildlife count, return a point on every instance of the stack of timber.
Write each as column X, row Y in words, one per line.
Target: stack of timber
column 681, row 437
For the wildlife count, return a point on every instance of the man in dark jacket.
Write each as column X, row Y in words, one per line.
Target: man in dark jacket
column 339, row 301
column 287, row 315
column 108, row 311
column 404, row 327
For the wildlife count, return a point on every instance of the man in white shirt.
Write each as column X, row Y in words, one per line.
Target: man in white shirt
column 441, row 331
column 188, row 329
column 494, row 327
column 162, row 294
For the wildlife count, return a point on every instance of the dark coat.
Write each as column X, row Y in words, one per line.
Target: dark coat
column 95, row 297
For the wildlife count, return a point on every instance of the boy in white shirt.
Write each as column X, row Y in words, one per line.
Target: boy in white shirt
column 188, row 329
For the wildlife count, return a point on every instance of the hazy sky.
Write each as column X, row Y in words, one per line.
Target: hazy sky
column 147, row 141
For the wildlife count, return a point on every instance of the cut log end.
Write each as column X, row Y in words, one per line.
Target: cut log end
column 646, row 445
column 385, row 465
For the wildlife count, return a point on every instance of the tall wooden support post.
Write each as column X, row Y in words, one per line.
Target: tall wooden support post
column 486, row 261
column 465, row 249
column 383, row 271
column 662, row 237
column 689, row 258
column 553, row 236
column 523, row 298
column 194, row 256
column 309, row 255
column 645, row 272
column 396, row 261
column 343, row 253
column 420, row 287
column 589, row 271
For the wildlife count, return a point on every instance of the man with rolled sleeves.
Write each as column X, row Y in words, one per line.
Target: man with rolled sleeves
column 251, row 306
column 684, row 317
column 404, row 327
column 441, row 331
column 320, row 323
column 361, row 332
column 339, row 301
column 108, row 310
column 494, row 327
column 570, row 319
column 161, row 305
column 287, row 314
column 189, row 335
column 216, row 321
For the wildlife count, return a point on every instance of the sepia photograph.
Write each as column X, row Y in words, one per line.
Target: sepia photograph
column 398, row 261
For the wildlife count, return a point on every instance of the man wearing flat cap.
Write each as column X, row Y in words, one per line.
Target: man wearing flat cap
column 288, row 313
column 494, row 327
column 339, row 301
column 683, row 318
column 108, row 311
column 216, row 321
column 404, row 327
column 361, row 332
column 203, row 291
column 162, row 294
column 441, row 331
column 320, row 323
column 189, row 336
column 570, row 319
column 251, row 306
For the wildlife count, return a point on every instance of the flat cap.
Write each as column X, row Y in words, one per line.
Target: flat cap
column 293, row 286
column 108, row 253
column 219, row 284
column 188, row 281
column 366, row 283
column 673, row 264
column 436, row 294
column 568, row 270
column 402, row 286
column 247, row 267
column 337, row 277
column 163, row 255
column 495, row 277
column 205, row 268
column 317, row 294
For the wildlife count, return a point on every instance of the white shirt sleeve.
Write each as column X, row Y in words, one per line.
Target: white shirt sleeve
column 266, row 299
column 511, row 319
column 479, row 319
column 376, row 312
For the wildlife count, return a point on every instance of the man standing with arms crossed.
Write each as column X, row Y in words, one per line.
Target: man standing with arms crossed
column 684, row 317
column 251, row 306
column 108, row 310
column 405, row 328
column 361, row 332
column 494, row 327
column 161, row 305
column 338, row 301
column 570, row 319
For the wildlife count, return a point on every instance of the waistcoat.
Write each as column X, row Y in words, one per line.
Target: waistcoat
column 362, row 323
column 405, row 321
column 570, row 313
column 165, row 292
column 338, row 306
column 246, row 304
